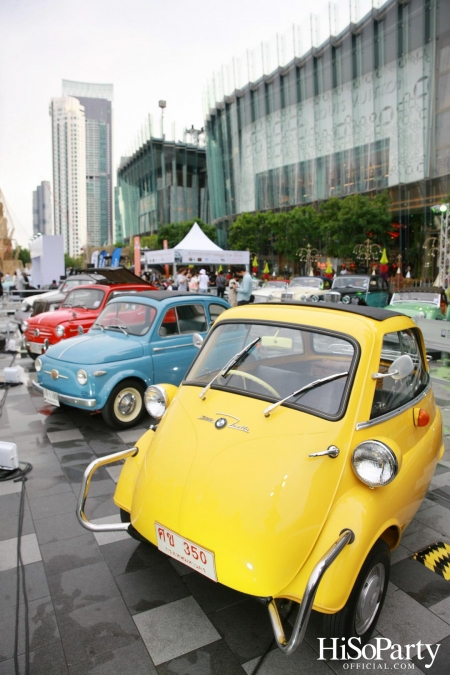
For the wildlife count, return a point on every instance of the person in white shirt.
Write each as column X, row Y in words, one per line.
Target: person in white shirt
column 203, row 282
column 182, row 280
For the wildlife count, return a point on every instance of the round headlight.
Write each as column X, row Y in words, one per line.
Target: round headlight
column 303, row 298
column 374, row 463
column 270, row 296
column 38, row 365
column 419, row 315
column 24, row 307
column 80, row 330
column 59, row 331
column 82, row 377
column 25, row 326
column 155, row 400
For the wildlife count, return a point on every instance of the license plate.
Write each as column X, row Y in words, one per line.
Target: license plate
column 186, row 552
column 35, row 347
column 51, row 397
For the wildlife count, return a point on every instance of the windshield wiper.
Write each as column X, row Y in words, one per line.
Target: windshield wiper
column 81, row 306
column 234, row 361
column 122, row 328
column 307, row 387
column 99, row 325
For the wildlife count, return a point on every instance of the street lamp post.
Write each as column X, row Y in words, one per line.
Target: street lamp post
column 308, row 255
column 367, row 252
column 444, row 243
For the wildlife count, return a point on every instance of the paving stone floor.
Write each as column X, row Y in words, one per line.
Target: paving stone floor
column 106, row 604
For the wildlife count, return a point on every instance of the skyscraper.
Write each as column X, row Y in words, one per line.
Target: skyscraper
column 97, row 102
column 69, row 172
column 42, row 209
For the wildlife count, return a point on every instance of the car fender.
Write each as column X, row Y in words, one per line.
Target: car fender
column 123, row 496
column 350, row 512
column 103, row 392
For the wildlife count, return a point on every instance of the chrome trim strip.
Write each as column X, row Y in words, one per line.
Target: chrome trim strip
column 301, row 623
column 62, row 377
column 393, row 413
column 79, row 402
column 161, row 349
column 85, row 484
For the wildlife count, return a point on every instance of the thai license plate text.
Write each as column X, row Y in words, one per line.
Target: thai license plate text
column 186, row 552
column 51, row 397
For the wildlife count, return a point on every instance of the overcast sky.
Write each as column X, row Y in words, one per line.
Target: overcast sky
column 148, row 49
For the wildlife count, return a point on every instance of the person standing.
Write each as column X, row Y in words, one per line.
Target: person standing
column 245, row 289
column 203, row 282
column 193, row 283
column 221, row 282
column 233, row 285
column 182, row 280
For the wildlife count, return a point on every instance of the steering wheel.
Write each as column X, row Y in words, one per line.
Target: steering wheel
column 249, row 376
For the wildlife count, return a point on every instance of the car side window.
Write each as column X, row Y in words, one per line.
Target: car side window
column 391, row 394
column 192, row 318
column 183, row 319
column 215, row 310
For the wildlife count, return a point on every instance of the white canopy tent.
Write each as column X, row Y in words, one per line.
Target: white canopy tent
column 197, row 249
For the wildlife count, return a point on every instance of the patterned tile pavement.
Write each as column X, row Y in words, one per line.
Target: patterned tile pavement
column 106, row 604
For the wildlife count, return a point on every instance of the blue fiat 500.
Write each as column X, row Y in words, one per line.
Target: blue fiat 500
column 136, row 341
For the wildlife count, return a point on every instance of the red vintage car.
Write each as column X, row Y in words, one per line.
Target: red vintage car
column 78, row 312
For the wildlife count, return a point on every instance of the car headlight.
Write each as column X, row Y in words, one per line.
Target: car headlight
column 82, row 377
column 38, row 365
column 303, row 298
column 25, row 326
column 25, row 307
column 419, row 315
column 270, row 297
column 374, row 463
column 60, row 330
column 155, row 400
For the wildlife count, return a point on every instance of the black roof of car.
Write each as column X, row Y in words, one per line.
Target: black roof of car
column 375, row 313
column 118, row 275
column 163, row 295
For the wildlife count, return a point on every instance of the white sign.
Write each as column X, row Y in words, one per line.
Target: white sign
column 159, row 257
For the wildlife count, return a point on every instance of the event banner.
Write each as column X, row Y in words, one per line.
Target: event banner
column 197, row 257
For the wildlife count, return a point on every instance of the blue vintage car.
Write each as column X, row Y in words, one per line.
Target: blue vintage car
column 137, row 340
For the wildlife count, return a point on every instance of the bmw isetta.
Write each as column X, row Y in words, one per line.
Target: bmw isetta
column 309, row 435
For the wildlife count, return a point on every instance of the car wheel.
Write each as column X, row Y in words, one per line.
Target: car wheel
column 125, row 518
column 346, row 299
column 359, row 616
column 314, row 298
column 125, row 405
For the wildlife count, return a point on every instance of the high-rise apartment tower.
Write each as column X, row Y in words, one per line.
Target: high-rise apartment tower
column 97, row 102
column 42, row 209
column 69, row 172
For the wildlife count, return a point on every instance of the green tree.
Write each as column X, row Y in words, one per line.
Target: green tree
column 69, row 261
column 251, row 231
column 24, row 255
column 175, row 232
column 150, row 241
column 295, row 229
column 344, row 223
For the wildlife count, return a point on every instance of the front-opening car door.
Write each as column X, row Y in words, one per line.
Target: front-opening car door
column 173, row 349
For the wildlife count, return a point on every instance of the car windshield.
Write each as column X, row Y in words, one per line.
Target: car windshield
column 274, row 284
column 69, row 284
column 282, row 361
column 310, row 282
column 84, row 298
column 132, row 318
column 362, row 283
column 417, row 296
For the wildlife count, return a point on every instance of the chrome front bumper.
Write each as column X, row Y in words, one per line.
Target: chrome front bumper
column 71, row 400
column 84, row 490
column 287, row 646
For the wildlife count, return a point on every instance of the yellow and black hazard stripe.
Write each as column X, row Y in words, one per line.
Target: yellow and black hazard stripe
column 436, row 557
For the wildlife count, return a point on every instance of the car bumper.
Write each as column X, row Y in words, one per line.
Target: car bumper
column 88, row 403
column 34, row 347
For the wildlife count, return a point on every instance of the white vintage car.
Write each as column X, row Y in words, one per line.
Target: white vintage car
column 263, row 293
column 302, row 289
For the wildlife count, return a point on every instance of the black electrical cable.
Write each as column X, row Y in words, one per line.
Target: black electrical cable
column 19, row 475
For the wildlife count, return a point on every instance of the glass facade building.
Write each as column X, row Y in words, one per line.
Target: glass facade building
column 366, row 110
column 161, row 182
column 96, row 100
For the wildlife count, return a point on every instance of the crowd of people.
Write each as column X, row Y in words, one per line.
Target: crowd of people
column 238, row 281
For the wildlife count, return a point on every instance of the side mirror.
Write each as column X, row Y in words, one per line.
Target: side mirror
column 197, row 340
column 399, row 369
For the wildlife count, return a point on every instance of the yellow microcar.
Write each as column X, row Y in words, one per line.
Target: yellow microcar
column 290, row 460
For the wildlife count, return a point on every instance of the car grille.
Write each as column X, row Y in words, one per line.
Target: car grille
column 287, row 296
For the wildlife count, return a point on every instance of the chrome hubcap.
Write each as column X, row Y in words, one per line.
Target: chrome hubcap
column 369, row 599
column 127, row 403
